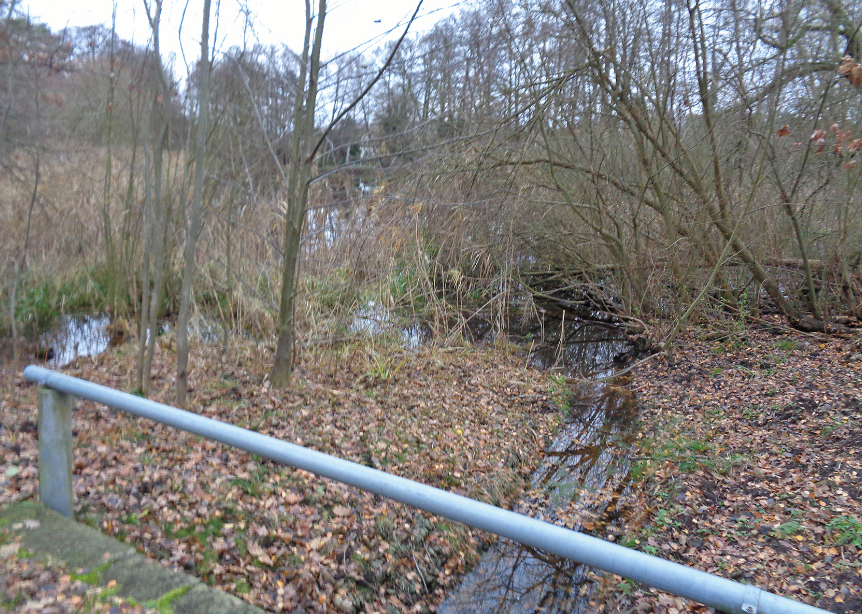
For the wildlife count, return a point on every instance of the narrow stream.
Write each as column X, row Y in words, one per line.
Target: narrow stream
column 587, row 466
column 589, row 457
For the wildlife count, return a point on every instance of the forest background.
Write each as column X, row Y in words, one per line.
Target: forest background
column 660, row 160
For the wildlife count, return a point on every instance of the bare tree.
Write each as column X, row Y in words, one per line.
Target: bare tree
column 156, row 218
column 303, row 150
column 195, row 216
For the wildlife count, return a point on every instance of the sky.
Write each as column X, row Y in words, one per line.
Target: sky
column 349, row 23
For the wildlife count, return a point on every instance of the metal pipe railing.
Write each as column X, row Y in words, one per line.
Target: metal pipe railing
column 700, row 586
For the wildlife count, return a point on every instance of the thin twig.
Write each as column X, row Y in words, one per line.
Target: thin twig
column 413, row 554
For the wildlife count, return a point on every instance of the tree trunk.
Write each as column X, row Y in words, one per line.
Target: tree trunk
column 159, row 130
column 195, row 218
column 297, row 200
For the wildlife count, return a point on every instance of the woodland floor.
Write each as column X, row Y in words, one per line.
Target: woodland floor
column 749, row 465
column 472, row 421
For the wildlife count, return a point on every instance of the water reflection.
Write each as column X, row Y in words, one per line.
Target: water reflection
column 585, row 470
column 578, row 348
column 513, row 579
column 373, row 319
column 590, row 452
column 76, row 335
column 209, row 331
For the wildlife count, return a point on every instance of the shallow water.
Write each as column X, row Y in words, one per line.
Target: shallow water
column 374, row 319
column 576, row 348
column 74, row 336
column 589, row 455
column 80, row 335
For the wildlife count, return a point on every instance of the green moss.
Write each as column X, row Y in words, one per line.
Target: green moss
column 163, row 603
column 93, row 576
column 787, row 529
column 845, row 530
column 43, row 297
column 785, row 345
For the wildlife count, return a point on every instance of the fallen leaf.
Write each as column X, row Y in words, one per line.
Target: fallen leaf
column 254, row 549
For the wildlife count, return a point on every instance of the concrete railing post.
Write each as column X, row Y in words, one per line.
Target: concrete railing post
column 55, row 450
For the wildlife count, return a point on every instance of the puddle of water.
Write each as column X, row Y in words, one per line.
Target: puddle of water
column 373, row 319
column 590, row 452
column 76, row 335
column 90, row 335
column 589, row 456
column 208, row 331
column 575, row 347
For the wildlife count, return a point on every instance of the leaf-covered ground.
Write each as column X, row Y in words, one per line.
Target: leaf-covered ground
column 750, row 467
column 471, row 421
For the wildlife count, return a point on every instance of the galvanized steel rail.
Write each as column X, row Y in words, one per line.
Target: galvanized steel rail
column 55, row 474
